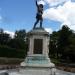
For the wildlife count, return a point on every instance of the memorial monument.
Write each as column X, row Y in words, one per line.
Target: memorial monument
column 37, row 58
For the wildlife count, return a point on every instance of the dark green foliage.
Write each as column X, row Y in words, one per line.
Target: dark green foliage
column 62, row 44
column 21, row 34
column 13, row 47
column 53, row 45
column 4, row 38
column 17, row 43
column 11, row 52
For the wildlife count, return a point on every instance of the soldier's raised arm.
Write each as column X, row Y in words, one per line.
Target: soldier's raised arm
column 36, row 3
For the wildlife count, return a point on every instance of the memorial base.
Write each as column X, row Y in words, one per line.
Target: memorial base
column 38, row 64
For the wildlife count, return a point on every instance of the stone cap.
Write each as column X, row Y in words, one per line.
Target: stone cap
column 38, row 31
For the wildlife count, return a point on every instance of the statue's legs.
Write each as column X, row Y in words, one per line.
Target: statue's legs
column 41, row 23
column 35, row 23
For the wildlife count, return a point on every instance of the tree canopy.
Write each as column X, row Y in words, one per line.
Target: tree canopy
column 62, row 44
column 9, row 46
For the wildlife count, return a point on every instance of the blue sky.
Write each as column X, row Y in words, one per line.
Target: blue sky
column 17, row 14
column 20, row 14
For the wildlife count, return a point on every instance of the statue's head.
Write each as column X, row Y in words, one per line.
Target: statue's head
column 41, row 5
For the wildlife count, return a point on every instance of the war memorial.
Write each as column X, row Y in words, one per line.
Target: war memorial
column 37, row 58
column 37, row 61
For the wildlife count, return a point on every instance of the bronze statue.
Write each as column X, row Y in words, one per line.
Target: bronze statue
column 39, row 15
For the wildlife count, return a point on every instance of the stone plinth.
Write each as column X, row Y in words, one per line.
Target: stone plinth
column 40, row 37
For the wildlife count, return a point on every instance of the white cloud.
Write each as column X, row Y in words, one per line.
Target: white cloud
column 54, row 14
column 49, row 30
column 41, row 2
column 54, row 2
column 11, row 33
column 64, row 14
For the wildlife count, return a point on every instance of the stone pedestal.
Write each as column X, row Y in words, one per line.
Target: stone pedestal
column 37, row 56
column 38, row 42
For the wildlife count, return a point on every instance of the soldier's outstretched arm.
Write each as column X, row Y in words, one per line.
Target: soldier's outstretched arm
column 36, row 3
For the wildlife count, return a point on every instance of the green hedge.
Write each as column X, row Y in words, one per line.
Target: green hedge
column 6, row 51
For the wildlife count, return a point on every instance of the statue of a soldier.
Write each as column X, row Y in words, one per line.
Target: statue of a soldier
column 39, row 15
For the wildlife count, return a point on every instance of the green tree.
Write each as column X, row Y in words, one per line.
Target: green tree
column 53, row 44
column 13, row 47
column 19, row 41
column 20, row 34
column 4, row 37
column 70, row 50
column 63, row 40
column 62, row 44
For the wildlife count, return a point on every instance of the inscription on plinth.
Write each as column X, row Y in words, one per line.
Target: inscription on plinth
column 38, row 46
